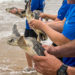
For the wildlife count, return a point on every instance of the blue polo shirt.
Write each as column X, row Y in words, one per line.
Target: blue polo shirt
column 63, row 10
column 36, row 5
column 69, row 32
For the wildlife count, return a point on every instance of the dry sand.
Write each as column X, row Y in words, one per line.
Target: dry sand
column 12, row 59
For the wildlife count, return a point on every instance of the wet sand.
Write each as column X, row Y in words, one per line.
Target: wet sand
column 12, row 59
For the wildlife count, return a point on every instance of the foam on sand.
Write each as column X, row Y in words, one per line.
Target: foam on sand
column 9, row 0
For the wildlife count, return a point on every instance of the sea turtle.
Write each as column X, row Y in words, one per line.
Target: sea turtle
column 29, row 44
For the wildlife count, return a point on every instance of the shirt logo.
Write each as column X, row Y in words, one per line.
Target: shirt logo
column 67, row 22
column 44, row 3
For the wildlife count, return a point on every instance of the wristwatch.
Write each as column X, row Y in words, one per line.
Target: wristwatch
column 62, row 70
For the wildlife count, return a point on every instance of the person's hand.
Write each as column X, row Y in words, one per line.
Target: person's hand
column 42, row 15
column 49, row 49
column 37, row 24
column 46, row 47
column 47, row 65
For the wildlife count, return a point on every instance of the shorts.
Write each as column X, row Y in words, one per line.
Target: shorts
column 30, row 33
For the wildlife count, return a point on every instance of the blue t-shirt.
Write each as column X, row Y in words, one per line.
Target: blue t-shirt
column 69, row 32
column 36, row 5
column 63, row 10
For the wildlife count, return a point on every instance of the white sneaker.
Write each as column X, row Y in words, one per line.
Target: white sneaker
column 29, row 71
column 26, row 69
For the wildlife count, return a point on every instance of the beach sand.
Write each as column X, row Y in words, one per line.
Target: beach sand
column 12, row 59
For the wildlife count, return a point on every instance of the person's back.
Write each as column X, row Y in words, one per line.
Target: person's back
column 63, row 10
column 62, row 13
column 69, row 32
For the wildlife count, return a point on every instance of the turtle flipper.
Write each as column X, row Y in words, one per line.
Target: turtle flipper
column 15, row 31
column 12, row 40
column 38, row 47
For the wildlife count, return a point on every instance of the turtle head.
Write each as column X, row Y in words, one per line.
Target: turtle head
column 12, row 41
column 15, row 31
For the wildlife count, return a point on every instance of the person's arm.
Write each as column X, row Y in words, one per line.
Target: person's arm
column 48, row 16
column 49, row 65
column 57, row 19
column 71, row 71
column 67, row 50
column 57, row 37
column 56, row 25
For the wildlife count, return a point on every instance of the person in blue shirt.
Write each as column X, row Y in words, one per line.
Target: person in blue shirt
column 61, row 12
column 67, row 50
column 35, row 5
column 67, row 32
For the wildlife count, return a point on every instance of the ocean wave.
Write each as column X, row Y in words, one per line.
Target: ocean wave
column 1, row 1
